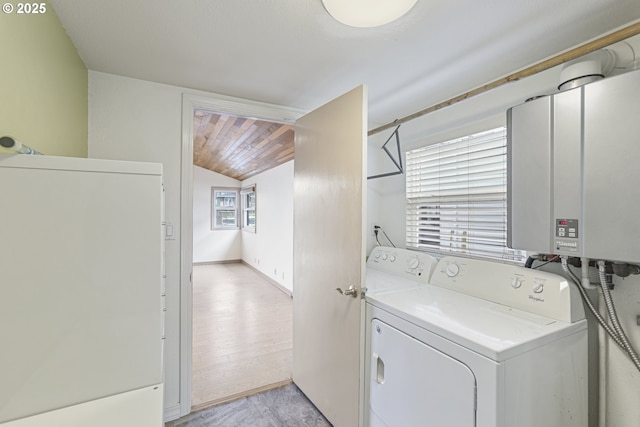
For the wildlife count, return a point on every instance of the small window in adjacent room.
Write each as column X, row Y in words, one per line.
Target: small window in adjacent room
column 249, row 208
column 224, row 208
column 457, row 197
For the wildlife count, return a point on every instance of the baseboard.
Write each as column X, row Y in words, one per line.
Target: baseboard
column 270, row 280
column 171, row 413
column 229, row 261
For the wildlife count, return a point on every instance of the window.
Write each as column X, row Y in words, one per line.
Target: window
column 457, row 197
column 224, row 208
column 249, row 208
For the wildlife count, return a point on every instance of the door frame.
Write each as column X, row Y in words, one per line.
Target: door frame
column 218, row 104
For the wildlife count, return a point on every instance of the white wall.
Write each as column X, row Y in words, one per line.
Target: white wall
column 270, row 248
column 622, row 379
column 131, row 119
column 212, row 245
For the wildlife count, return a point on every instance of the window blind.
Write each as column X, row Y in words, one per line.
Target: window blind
column 457, row 197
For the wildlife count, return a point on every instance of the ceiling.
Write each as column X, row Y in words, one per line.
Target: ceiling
column 293, row 53
column 239, row 147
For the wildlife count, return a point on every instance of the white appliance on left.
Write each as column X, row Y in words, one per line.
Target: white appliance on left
column 81, row 292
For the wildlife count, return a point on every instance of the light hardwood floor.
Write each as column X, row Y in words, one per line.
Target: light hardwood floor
column 242, row 334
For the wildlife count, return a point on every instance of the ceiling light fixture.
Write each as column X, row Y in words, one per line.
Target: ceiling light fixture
column 367, row 13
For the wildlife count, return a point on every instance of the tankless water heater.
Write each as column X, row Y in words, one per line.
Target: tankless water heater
column 573, row 173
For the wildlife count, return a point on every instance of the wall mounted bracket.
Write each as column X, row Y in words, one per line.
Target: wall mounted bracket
column 397, row 162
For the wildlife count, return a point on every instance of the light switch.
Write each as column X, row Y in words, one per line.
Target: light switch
column 169, row 232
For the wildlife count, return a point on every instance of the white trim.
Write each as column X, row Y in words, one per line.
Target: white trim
column 171, row 413
column 220, row 104
column 186, row 255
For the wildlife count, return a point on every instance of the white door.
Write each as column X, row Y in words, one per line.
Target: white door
column 329, row 253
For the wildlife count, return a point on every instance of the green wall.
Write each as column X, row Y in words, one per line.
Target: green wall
column 43, row 84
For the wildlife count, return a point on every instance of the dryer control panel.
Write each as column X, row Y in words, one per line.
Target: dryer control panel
column 537, row 292
column 412, row 265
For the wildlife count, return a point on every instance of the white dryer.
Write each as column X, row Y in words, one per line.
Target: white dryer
column 482, row 344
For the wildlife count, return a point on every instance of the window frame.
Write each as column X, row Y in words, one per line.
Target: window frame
column 449, row 185
column 215, row 209
column 245, row 193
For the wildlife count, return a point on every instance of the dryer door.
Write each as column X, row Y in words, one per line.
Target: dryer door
column 412, row 384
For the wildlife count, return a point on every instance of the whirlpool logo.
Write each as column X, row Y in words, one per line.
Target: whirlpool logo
column 535, row 298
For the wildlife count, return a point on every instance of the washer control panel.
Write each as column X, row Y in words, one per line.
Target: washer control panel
column 405, row 263
column 534, row 291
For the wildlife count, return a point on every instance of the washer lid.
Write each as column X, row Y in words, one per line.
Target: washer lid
column 493, row 330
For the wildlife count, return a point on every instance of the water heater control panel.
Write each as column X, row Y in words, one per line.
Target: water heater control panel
column 567, row 235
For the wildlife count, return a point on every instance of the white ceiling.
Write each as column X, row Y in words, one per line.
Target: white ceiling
column 292, row 53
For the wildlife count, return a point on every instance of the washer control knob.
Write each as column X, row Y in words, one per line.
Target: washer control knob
column 516, row 282
column 385, row 256
column 377, row 255
column 413, row 263
column 538, row 288
column 452, row 270
column 392, row 258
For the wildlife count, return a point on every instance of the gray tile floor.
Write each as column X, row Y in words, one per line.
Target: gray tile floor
column 281, row 407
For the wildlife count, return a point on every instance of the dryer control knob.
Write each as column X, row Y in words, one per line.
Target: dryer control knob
column 413, row 263
column 538, row 288
column 452, row 270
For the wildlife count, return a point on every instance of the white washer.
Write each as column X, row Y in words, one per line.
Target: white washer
column 480, row 344
column 393, row 269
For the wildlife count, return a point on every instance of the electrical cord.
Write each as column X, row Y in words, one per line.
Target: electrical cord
column 548, row 261
column 376, row 229
column 388, row 239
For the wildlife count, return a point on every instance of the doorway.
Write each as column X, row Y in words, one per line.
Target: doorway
column 241, row 306
column 190, row 103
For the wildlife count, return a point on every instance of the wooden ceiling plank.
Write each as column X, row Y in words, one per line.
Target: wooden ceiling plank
column 206, row 117
column 250, row 146
column 274, row 137
column 218, row 144
column 240, row 147
column 221, row 124
column 282, row 142
column 210, row 126
column 238, row 142
column 226, row 137
column 279, row 132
